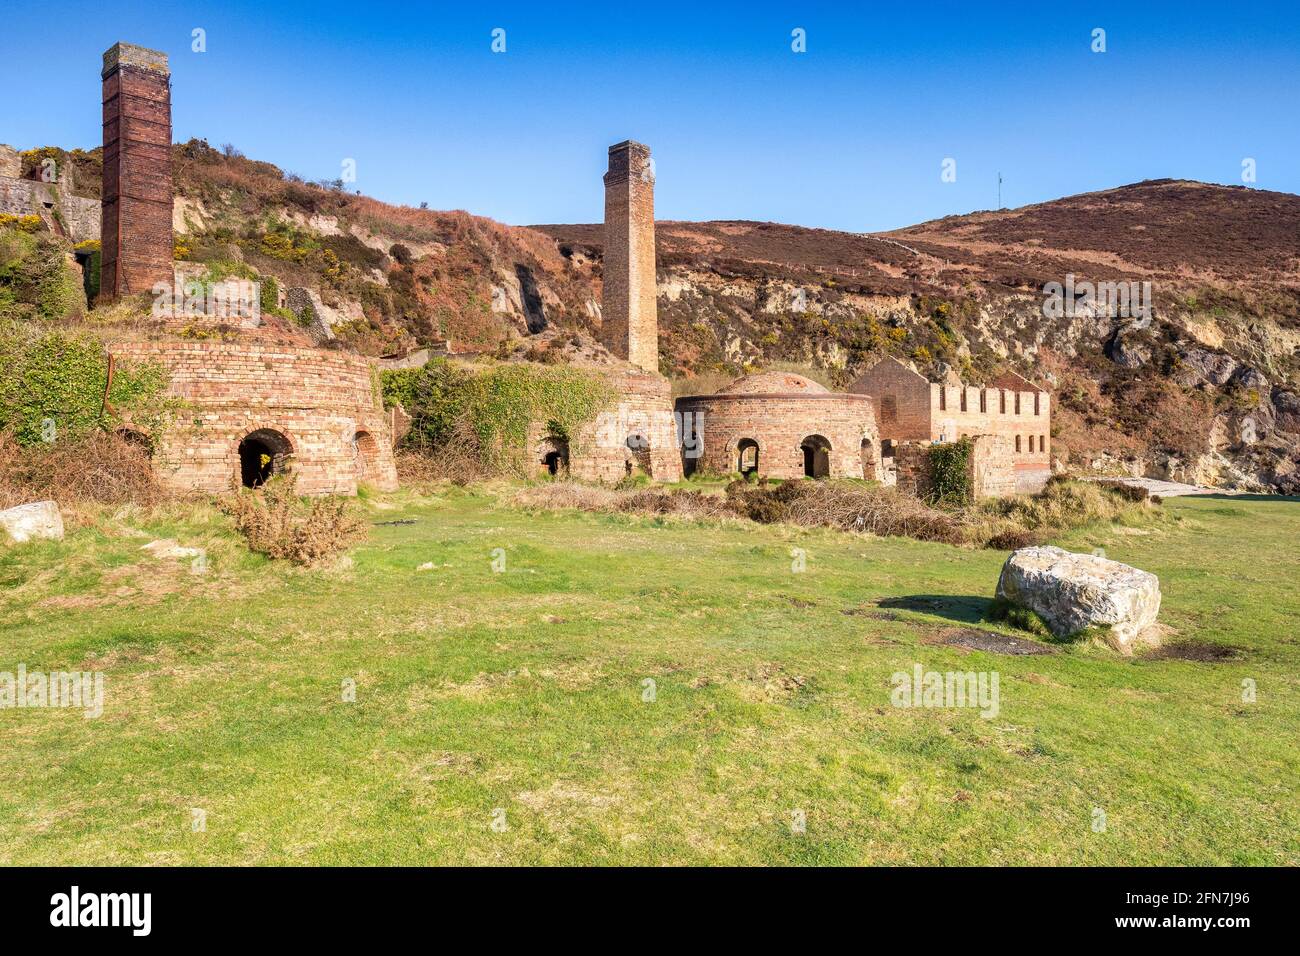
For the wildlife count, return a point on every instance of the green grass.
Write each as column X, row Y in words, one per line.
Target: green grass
column 522, row 690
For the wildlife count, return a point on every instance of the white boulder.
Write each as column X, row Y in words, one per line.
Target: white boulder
column 1073, row 592
column 41, row 519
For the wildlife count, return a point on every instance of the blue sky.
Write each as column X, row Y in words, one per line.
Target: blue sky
column 850, row 135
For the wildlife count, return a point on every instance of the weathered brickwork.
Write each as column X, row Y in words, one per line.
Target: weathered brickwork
column 322, row 403
column 136, row 232
column 910, row 408
column 779, row 413
column 637, row 435
column 991, row 467
column 629, row 323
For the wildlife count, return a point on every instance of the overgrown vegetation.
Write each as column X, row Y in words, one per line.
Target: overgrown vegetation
column 276, row 522
column 483, row 413
column 855, row 506
column 95, row 468
column 950, row 477
column 36, row 279
column 52, row 386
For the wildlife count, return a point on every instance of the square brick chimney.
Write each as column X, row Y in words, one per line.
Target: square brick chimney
column 629, row 318
column 136, row 228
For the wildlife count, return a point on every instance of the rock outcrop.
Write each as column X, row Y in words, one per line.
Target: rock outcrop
column 1073, row 592
column 41, row 519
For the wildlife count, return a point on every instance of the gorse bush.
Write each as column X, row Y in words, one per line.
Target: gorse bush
column 276, row 522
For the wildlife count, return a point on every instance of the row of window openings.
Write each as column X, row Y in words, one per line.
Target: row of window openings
column 1042, row 443
column 984, row 403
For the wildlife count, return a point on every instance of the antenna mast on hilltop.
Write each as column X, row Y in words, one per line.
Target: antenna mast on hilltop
column 999, row 190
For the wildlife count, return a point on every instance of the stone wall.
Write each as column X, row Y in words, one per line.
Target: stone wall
column 629, row 317
column 77, row 217
column 779, row 424
column 136, row 235
column 322, row 402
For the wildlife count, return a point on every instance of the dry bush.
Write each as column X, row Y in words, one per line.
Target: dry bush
column 101, row 468
column 848, row 507
column 458, row 459
column 279, row 524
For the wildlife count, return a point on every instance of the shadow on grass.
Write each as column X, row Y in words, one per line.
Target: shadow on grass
column 963, row 609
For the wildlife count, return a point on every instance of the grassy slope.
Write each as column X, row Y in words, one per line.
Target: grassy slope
column 522, row 690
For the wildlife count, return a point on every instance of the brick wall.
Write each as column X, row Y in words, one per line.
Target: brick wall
column 600, row 450
column 136, row 235
column 900, row 398
column 779, row 424
column 991, row 468
column 320, row 401
column 629, row 320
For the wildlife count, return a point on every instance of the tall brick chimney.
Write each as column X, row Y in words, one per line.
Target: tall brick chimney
column 629, row 318
column 136, row 228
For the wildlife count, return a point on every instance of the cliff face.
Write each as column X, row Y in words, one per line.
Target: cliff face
column 1202, row 386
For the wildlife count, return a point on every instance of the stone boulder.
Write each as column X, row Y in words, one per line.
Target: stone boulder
column 41, row 519
column 1073, row 592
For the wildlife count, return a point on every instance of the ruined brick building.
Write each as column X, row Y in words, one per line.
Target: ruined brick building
column 784, row 426
column 256, row 401
column 1010, row 419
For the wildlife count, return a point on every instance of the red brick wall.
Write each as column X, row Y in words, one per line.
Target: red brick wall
column 136, row 225
column 779, row 424
column 629, row 320
column 319, row 400
column 600, row 450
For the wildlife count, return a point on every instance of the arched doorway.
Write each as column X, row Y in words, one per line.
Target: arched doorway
column 263, row 454
column 869, row 467
column 553, row 456
column 638, row 443
column 365, row 450
column 747, row 456
column 816, row 456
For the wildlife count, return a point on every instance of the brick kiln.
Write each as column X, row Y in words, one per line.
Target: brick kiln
column 255, row 400
column 784, row 426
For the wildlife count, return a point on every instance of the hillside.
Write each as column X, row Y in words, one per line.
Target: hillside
column 1205, row 392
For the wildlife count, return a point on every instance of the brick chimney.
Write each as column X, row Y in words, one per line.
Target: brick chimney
column 136, row 228
column 629, row 318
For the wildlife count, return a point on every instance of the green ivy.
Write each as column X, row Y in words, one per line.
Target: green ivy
column 950, row 478
column 499, row 403
column 58, row 375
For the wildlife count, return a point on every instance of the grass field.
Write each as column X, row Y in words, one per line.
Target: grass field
column 500, row 716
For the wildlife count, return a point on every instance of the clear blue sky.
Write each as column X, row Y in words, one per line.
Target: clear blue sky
column 849, row 135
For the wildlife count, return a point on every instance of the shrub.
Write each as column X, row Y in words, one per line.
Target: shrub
column 101, row 467
column 950, row 480
column 279, row 524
